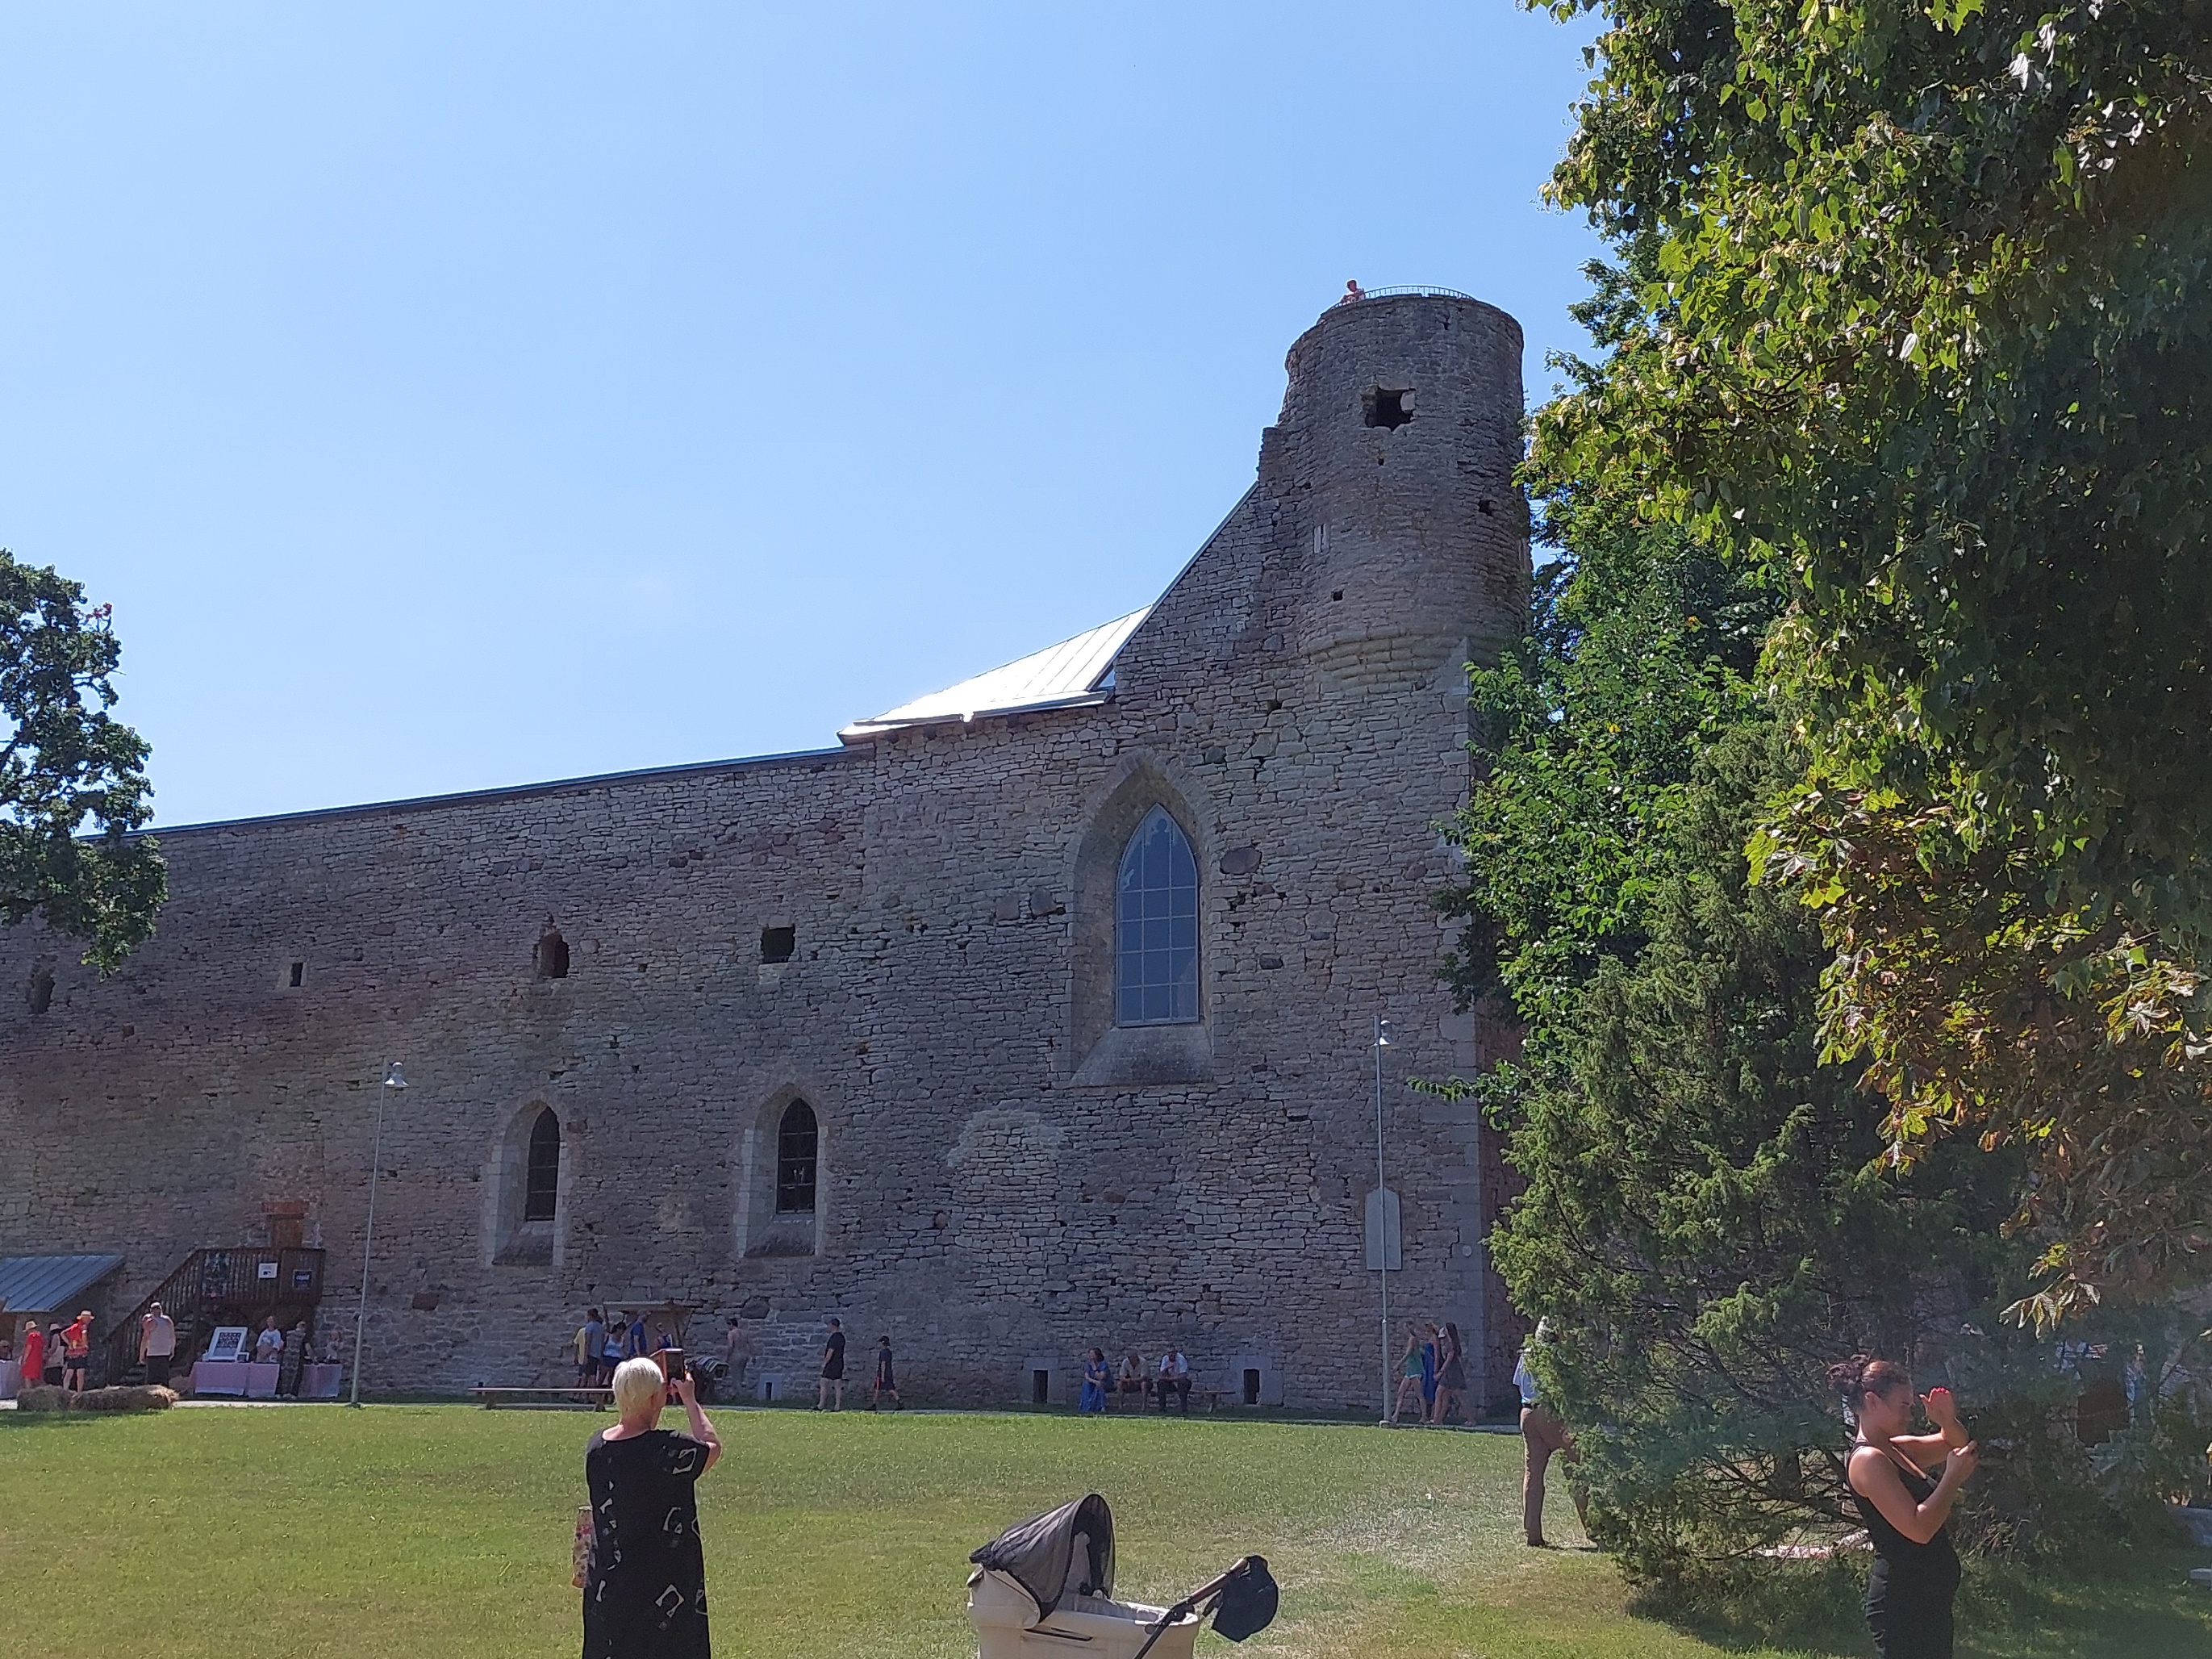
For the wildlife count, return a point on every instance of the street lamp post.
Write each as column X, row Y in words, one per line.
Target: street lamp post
column 395, row 1079
column 1382, row 1211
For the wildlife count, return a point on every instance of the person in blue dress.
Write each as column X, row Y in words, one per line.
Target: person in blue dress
column 1096, row 1378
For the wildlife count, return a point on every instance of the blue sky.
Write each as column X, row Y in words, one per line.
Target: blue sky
column 460, row 395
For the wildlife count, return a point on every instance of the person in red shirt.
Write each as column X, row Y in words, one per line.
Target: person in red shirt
column 34, row 1355
column 76, row 1350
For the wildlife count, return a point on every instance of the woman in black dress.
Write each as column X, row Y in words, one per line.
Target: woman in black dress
column 1908, row 1513
column 644, row 1596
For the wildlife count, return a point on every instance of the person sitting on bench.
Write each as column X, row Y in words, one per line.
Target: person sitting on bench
column 1133, row 1377
column 1175, row 1374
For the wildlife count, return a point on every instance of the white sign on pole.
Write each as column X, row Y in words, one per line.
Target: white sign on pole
column 1384, row 1246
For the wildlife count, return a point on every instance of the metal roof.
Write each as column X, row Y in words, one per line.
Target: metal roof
column 50, row 1283
column 1069, row 674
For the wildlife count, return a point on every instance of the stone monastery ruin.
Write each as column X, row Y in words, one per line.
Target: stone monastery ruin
column 1037, row 1014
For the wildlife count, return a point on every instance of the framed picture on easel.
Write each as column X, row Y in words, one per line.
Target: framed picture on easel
column 227, row 1343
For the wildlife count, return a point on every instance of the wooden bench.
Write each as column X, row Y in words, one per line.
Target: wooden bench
column 576, row 1400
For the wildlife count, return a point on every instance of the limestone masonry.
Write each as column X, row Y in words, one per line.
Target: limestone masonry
column 915, row 935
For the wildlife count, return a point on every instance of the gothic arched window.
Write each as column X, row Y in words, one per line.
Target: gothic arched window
column 1155, row 927
column 798, row 1148
column 541, row 1185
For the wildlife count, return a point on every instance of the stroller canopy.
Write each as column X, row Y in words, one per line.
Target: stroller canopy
column 1069, row 1550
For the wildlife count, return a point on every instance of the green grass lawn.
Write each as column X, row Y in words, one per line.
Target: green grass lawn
column 413, row 1530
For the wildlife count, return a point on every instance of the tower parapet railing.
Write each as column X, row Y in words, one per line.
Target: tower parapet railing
column 1402, row 290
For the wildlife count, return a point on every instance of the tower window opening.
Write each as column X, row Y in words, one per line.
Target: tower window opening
column 552, row 955
column 1387, row 409
column 41, row 991
column 798, row 1153
column 541, row 1186
column 299, row 975
column 778, row 944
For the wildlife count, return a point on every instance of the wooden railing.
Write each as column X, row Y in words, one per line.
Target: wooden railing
column 214, row 1287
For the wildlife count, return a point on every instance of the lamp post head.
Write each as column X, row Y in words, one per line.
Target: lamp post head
column 396, row 1078
column 1382, row 1034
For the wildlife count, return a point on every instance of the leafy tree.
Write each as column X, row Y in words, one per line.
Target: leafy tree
column 1705, row 1218
column 66, row 761
column 1912, row 315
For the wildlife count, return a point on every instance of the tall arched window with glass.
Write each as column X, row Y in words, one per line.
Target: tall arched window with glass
column 1155, row 927
column 798, row 1150
column 541, row 1188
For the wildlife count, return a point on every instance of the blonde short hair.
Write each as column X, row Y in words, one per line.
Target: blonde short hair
column 638, row 1383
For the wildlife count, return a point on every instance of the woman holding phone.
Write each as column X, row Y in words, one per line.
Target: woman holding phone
column 645, row 1592
column 1907, row 1512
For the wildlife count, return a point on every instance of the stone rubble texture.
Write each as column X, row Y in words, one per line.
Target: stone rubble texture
column 1005, row 1179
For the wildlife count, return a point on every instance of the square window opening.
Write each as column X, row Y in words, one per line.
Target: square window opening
column 1387, row 409
column 778, row 944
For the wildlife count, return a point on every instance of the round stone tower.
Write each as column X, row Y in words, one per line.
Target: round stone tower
column 1398, row 439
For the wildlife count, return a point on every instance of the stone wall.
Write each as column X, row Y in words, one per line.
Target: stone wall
column 1006, row 1177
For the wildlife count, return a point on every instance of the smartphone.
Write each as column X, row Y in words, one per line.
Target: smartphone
column 672, row 1364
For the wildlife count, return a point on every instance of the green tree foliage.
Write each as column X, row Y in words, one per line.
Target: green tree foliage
column 1706, row 1219
column 1699, row 1219
column 67, row 762
column 1913, row 316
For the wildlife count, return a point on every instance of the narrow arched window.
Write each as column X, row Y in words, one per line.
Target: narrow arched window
column 798, row 1149
column 1155, row 927
column 542, row 1181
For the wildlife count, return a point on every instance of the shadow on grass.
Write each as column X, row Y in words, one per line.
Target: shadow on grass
column 2109, row 1602
column 2119, row 1603
column 31, row 1422
column 1813, row 1607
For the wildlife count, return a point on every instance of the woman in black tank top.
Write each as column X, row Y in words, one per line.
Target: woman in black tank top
column 1907, row 1512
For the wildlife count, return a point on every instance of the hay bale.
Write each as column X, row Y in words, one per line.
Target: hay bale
column 96, row 1400
column 139, row 1399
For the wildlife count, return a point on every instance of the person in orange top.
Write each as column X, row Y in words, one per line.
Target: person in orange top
column 34, row 1355
column 76, row 1350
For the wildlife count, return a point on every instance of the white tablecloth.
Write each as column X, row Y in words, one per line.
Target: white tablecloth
column 235, row 1376
column 320, row 1382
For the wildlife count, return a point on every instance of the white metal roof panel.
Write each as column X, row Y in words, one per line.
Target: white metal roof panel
column 1066, row 674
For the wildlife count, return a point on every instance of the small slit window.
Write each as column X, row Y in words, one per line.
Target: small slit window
column 797, row 1149
column 40, row 992
column 299, row 975
column 1155, row 927
column 542, row 1180
column 552, row 955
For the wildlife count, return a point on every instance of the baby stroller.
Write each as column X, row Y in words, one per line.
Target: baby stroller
column 707, row 1378
column 1048, row 1581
